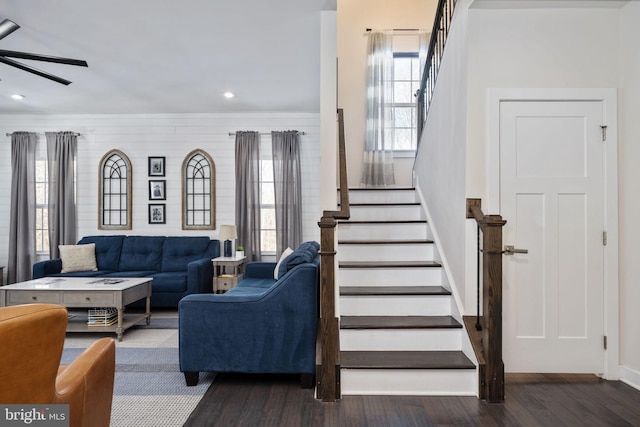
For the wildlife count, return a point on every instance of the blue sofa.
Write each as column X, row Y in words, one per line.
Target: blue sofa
column 179, row 265
column 262, row 325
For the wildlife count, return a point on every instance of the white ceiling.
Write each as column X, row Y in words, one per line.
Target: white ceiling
column 166, row 56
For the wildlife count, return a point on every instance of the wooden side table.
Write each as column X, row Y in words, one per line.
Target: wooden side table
column 227, row 272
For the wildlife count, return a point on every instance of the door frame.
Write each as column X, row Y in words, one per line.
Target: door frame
column 608, row 97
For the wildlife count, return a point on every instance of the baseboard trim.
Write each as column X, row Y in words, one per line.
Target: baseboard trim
column 630, row 377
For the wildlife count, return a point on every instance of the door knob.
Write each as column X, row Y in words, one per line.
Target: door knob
column 510, row 250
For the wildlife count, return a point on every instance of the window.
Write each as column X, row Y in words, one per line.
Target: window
column 406, row 81
column 42, row 206
column 198, row 192
column 267, row 206
column 114, row 203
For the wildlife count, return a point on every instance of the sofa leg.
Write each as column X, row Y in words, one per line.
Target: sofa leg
column 306, row 380
column 191, row 378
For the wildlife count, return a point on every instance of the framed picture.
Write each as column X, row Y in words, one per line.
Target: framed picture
column 156, row 166
column 157, row 190
column 156, row 214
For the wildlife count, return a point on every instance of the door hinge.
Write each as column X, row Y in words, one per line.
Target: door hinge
column 604, row 238
column 604, row 132
column 604, row 342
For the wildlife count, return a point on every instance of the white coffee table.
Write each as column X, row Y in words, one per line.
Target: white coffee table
column 84, row 292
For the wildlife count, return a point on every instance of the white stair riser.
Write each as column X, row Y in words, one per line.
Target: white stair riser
column 381, row 196
column 386, row 252
column 421, row 382
column 390, row 277
column 390, row 231
column 400, row 339
column 395, row 305
column 386, row 213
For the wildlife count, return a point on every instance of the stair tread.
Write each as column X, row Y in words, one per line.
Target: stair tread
column 386, row 242
column 373, row 204
column 393, row 290
column 388, row 264
column 399, row 322
column 405, row 360
column 383, row 221
column 380, row 188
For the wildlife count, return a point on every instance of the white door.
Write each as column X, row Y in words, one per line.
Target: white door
column 552, row 196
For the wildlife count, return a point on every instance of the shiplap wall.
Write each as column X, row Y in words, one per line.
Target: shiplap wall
column 171, row 136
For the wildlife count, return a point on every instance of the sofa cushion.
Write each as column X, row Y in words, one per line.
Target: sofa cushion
column 178, row 252
column 304, row 253
column 78, row 258
column 141, row 253
column 130, row 273
column 256, row 282
column 108, row 250
column 170, row 282
column 96, row 273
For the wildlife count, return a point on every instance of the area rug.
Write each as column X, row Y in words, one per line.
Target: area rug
column 149, row 389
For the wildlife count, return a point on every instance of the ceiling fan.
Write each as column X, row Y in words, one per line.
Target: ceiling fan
column 7, row 27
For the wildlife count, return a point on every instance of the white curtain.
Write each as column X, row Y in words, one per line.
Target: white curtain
column 378, row 152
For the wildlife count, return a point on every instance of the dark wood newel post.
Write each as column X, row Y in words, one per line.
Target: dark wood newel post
column 492, row 306
column 328, row 380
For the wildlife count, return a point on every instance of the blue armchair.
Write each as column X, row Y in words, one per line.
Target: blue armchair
column 262, row 325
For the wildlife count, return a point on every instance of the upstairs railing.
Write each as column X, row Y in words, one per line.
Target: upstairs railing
column 485, row 330
column 439, row 34
column 328, row 370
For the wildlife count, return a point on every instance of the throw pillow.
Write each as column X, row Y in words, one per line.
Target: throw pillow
column 78, row 257
column 284, row 256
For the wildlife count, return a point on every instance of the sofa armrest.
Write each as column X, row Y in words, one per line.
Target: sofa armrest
column 47, row 268
column 200, row 276
column 86, row 384
column 260, row 269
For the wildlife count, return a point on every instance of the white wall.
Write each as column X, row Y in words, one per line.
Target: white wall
column 440, row 163
column 629, row 179
column 354, row 17
column 172, row 136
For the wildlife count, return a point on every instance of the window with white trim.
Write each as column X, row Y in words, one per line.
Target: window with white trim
column 406, row 81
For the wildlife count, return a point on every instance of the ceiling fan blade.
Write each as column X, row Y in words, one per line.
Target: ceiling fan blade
column 34, row 71
column 7, row 27
column 36, row 57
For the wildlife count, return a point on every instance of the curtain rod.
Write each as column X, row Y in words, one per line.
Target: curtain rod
column 41, row 133
column 265, row 133
column 368, row 30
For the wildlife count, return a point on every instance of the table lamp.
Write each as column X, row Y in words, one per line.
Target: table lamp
column 228, row 233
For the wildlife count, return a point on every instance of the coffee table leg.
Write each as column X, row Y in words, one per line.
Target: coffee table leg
column 119, row 330
column 148, row 313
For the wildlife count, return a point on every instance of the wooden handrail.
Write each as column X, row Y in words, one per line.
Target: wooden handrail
column 328, row 369
column 489, row 338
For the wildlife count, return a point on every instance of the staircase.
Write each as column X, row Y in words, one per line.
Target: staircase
column 397, row 333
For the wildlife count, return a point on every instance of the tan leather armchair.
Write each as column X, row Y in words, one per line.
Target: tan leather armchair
column 32, row 339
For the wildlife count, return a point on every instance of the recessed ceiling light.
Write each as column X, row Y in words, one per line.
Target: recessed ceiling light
column 229, row 95
column 17, row 96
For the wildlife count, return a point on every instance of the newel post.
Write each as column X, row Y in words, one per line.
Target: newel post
column 328, row 375
column 492, row 306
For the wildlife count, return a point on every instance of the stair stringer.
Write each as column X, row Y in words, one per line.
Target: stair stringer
column 457, row 307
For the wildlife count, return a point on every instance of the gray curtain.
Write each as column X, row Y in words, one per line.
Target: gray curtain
column 377, row 170
column 22, row 253
column 248, row 193
column 288, row 191
column 61, row 158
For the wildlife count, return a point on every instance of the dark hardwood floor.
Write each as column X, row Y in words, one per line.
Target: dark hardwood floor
column 531, row 400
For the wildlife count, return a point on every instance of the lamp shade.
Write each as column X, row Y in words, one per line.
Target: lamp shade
column 228, row 232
